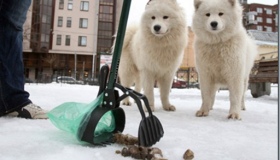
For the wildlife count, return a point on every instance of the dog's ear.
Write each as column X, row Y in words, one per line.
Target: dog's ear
column 197, row 4
column 232, row 2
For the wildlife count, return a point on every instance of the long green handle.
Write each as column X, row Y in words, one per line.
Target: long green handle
column 119, row 43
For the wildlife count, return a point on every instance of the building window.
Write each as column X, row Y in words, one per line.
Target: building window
column 259, row 19
column 259, row 10
column 83, row 22
column 268, row 29
column 82, row 41
column 84, row 5
column 58, row 39
column 70, row 5
column 44, row 18
column 268, row 11
column 106, row 26
column 106, row 9
column 60, row 21
column 251, row 17
column 67, row 40
column 268, row 20
column 106, row 17
column 45, row 38
column 107, row 2
column 259, row 28
column 69, row 21
column 61, row 4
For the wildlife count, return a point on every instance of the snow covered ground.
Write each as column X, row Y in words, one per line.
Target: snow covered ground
column 215, row 137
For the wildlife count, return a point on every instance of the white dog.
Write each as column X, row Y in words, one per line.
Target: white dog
column 224, row 53
column 153, row 51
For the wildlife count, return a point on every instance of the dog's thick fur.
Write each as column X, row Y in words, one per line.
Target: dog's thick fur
column 154, row 50
column 224, row 53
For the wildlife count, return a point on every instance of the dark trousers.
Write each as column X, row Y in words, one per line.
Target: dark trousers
column 12, row 93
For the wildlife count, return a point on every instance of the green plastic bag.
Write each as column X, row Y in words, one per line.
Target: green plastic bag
column 72, row 117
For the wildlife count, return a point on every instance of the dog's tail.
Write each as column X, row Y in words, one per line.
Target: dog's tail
column 130, row 31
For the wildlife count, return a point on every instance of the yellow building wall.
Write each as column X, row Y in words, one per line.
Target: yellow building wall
column 188, row 60
column 267, row 52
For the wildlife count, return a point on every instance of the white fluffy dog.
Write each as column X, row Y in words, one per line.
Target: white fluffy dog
column 153, row 51
column 224, row 53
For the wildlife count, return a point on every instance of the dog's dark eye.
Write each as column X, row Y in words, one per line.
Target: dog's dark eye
column 220, row 14
column 207, row 14
column 165, row 17
column 153, row 17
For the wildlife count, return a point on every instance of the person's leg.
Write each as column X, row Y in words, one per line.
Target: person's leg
column 12, row 18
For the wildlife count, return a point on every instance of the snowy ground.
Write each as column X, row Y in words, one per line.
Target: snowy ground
column 215, row 137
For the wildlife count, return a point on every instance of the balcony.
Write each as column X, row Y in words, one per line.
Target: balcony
column 251, row 18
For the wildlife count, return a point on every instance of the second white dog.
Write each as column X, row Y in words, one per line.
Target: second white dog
column 224, row 53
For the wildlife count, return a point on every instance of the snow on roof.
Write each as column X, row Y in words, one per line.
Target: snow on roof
column 266, row 43
column 264, row 38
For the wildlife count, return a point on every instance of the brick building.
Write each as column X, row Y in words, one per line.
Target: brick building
column 260, row 17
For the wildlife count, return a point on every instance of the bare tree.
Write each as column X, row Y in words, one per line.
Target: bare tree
column 50, row 58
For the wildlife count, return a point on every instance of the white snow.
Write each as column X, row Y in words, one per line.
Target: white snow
column 215, row 137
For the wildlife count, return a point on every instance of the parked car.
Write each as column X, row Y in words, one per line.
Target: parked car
column 193, row 85
column 91, row 81
column 179, row 83
column 67, row 79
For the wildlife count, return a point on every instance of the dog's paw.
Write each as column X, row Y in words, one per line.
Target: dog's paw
column 202, row 113
column 126, row 103
column 169, row 108
column 235, row 116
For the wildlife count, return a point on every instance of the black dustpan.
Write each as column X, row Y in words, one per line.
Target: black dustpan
column 88, row 132
column 150, row 128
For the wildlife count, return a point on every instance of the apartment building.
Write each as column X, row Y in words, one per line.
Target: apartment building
column 67, row 37
column 260, row 17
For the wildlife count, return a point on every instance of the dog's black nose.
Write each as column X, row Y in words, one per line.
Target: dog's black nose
column 214, row 24
column 157, row 27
